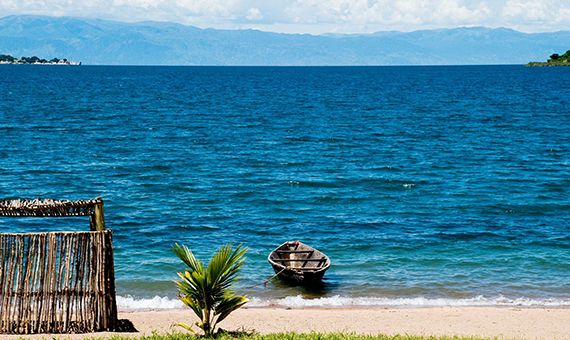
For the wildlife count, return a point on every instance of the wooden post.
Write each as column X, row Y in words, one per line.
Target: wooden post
column 97, row 220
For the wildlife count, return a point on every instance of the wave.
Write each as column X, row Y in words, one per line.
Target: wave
column 129, row 303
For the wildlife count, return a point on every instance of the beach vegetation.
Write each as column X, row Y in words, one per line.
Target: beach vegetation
column 299, row 336
column 207, row 289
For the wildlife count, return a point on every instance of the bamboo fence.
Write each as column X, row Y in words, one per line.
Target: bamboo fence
column 57, row 282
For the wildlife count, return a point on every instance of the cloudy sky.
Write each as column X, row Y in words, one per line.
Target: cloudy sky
column 314, row 16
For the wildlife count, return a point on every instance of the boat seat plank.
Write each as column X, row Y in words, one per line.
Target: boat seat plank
column 294, row 251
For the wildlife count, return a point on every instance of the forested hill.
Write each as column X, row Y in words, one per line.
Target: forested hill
column 554, row 60
column 159, row 43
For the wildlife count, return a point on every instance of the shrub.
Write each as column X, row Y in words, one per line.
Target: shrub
column 206, row 290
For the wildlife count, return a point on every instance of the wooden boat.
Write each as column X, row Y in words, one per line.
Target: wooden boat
column 299, row 264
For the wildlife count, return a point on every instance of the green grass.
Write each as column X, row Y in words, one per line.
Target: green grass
column 343, row 336
column 282, row 336
column 296, row 336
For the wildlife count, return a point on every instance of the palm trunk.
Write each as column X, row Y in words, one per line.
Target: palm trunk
column 207, row 325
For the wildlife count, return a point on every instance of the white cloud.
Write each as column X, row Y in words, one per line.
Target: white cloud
column 254, row 14
column 315, row 16
column 206, row 8
column 526, row 9
column 385, row 14
column 547, row 15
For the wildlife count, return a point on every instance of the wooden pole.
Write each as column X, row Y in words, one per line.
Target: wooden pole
column 97, row 220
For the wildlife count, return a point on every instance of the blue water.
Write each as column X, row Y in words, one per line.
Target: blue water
column 424, row 185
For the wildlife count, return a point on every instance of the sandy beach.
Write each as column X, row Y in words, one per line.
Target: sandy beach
column 504, row 323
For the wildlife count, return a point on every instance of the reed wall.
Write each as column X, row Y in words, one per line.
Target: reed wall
column 58, row 282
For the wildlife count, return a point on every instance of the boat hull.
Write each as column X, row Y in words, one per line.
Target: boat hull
column 298, row 278
column 299, row 264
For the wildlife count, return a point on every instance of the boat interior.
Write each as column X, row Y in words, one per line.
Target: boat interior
column 298, row 256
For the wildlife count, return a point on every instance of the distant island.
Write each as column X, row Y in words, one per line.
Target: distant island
column 8, row 59
column 555, row 60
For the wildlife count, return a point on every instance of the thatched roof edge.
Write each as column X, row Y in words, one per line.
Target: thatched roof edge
column 48, row 207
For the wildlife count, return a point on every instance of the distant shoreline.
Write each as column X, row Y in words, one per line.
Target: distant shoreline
column 548, row 63
column 68, row 63
column 6, row 59
column 554, row 60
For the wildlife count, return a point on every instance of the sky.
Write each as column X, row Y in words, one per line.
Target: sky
column 314, row 16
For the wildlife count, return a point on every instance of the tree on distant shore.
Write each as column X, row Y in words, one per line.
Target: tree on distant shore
column 31, row 60
column 5, row 57
column 560, row 58
column 28, row 60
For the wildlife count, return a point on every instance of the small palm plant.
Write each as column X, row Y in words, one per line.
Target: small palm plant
column 207, row 289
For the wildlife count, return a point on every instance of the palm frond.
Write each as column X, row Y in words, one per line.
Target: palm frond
column 193, row 304
column 229, row 305
column 224, row 267
column 185, row 326
column 190, row 285
column 186, row 255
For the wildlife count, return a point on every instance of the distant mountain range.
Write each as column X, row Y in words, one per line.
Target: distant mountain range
column 101, row 42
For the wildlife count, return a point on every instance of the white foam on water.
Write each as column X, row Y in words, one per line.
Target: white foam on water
column 347, row 302
column 129, row 303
